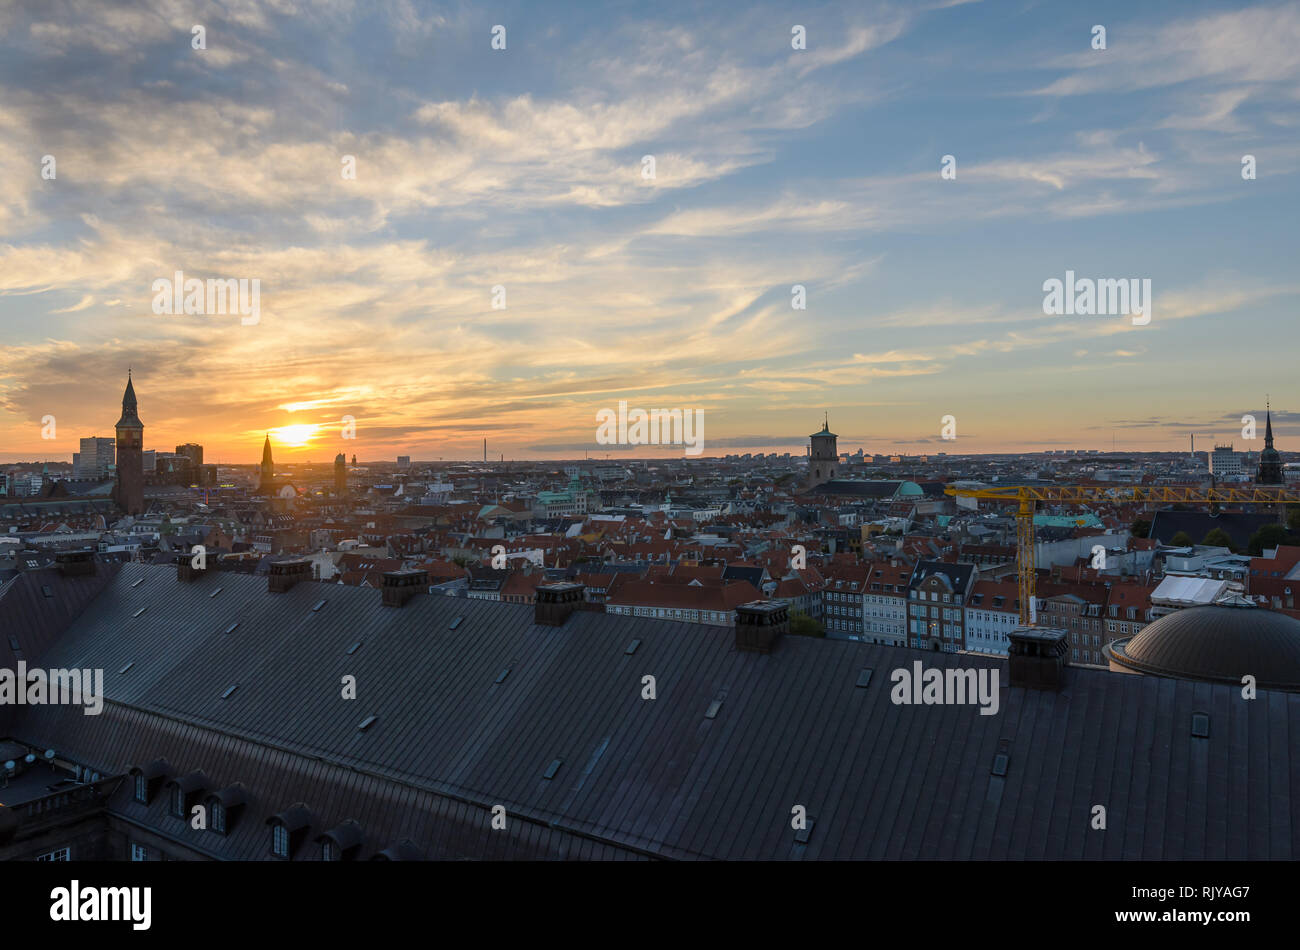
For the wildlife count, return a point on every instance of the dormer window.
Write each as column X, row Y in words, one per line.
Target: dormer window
column 219, row 817
column 148, row 779
column 288, row 830
column 178, row 802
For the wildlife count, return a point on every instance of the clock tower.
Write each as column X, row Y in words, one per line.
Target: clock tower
column 130, row 455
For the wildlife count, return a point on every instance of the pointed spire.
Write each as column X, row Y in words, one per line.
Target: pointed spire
column 266, row 450
column 130, row 415
column 1268, row 425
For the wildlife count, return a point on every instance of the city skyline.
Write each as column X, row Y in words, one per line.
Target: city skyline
column 295, row 441
column 522, row 169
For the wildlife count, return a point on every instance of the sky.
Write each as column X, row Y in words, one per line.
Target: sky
column 501, row 267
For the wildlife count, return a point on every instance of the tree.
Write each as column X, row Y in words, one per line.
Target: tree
column 1181, row 540
column 1218, row 538
column 1293, row 519
column 1269, row 536
column 1141, row 528
column 802, row 625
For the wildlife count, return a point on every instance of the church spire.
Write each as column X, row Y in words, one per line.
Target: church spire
column 266, row 483
column 1270, row 460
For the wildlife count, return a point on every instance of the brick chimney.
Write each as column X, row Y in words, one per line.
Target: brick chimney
column 284, row 574
column 185, row 569
column 759, row 624
column 1037, row 657
column 400, row 586
column 555, row 602
column 75, row 563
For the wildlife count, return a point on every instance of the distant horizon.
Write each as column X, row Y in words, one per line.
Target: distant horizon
column 1081, row 453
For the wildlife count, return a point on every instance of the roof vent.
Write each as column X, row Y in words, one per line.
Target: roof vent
column 75, row 563
column 185, row 569
column 759, row 624
column 1037, row 657
column 284, row 574
column 400, row 586
column 555, row 602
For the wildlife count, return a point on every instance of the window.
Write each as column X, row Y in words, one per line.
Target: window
column 280, row 841
column 58, row 854
column 142, row 789
column 329, row 851
column 178, row 802
column 139, row 852
column 219, row 817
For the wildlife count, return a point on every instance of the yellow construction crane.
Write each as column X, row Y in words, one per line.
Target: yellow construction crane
column 1027, row 497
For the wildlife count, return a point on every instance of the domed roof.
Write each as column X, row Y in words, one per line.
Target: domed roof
column 1220, row 643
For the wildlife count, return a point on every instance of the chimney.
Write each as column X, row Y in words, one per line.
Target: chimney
column 185, row 569
column 76, row 563
column 284, row 574
column 759, row 624
column 400, row 586
column 1037, row 657
column 555, row 602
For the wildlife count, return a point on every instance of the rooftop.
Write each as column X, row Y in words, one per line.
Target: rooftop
column 469, row 703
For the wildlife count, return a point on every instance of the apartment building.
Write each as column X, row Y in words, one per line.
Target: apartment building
column 937, row 593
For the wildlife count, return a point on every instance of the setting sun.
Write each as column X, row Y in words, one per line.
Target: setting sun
column 295, row 436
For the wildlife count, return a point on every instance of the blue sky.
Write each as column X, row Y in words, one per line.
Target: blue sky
column 522, row 168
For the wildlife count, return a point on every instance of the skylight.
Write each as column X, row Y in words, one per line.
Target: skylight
column 803, row 834
column 367, row 722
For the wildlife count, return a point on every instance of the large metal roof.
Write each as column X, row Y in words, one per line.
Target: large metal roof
column 472, row 714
